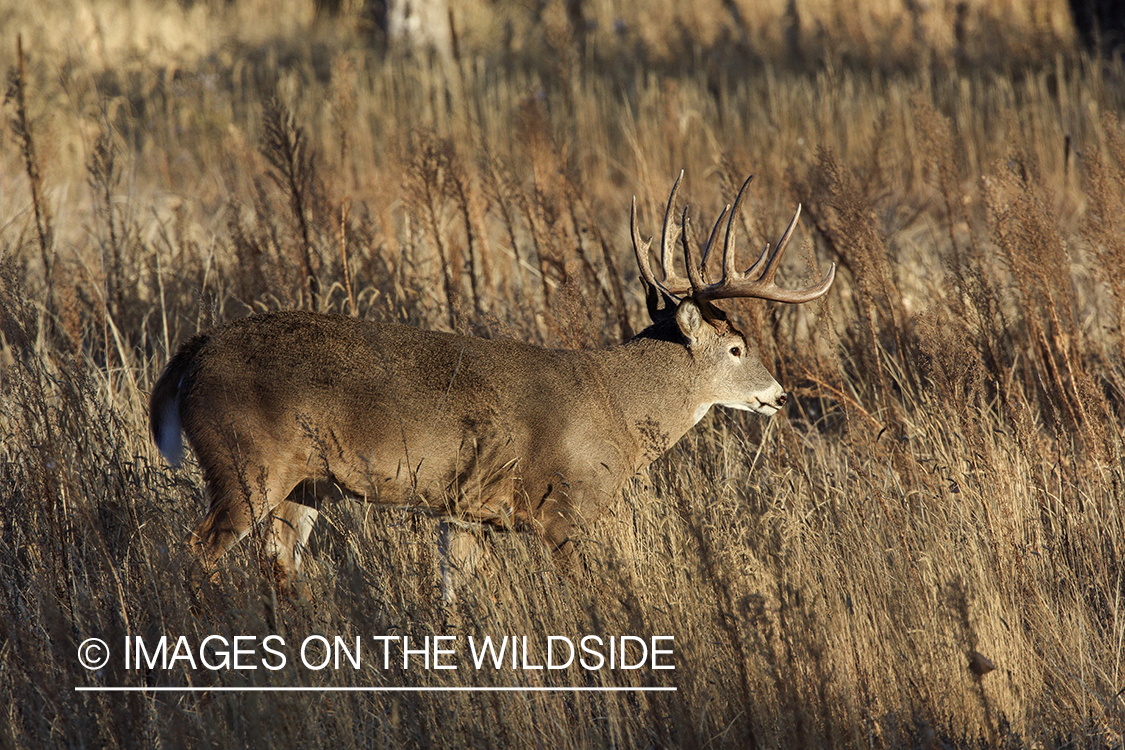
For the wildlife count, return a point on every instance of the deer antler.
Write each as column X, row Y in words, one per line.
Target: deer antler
column 756, row 282
column 672, row 282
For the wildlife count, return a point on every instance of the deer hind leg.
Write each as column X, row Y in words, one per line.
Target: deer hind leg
column 285, row 541
column 239, row 500
column 459, row 555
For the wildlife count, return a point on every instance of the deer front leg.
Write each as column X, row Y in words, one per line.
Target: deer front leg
column 562, row 531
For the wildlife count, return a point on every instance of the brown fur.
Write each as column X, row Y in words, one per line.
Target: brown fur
column 287, row 408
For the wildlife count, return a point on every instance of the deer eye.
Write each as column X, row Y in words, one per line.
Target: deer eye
column 736, row 351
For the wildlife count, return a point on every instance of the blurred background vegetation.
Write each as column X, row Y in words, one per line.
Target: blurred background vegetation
column 924, row 551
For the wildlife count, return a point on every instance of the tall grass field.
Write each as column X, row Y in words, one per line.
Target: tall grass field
column 925, row 549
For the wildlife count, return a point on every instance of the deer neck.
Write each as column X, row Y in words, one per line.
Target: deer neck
column 654, row 385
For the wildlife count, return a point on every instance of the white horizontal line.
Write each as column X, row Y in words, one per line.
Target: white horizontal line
column 300, row 689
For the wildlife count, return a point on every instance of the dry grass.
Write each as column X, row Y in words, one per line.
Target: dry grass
column 948, row 481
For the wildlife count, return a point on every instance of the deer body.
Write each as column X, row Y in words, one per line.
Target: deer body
column 286, row 409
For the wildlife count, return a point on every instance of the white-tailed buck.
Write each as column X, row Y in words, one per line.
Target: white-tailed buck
column 286, row 409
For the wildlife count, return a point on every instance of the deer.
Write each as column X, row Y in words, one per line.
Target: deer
column 287, row 410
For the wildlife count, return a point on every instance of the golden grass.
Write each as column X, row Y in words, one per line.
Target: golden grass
column 947, row 481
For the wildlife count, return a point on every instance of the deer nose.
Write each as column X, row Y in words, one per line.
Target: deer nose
column 781, row 400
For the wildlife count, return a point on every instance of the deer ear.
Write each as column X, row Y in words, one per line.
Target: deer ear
column 690, row 320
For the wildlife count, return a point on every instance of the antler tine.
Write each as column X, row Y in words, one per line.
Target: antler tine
column 711, row 240
column 763, row 257
column 734, row 284
column 771, row 265
column 641, row 248
column 770, row 254
column 668, row 235
column 728, row 241
column 695, row 273
column 672, row 283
